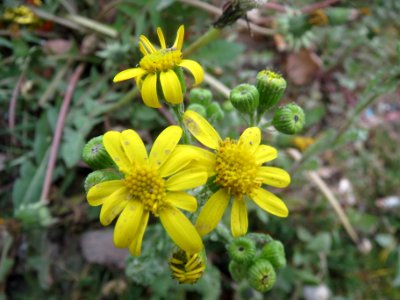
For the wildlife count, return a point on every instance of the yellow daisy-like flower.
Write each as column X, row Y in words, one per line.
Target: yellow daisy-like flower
column 153, row 183
column 240, row 174
column 157, row 68
column 186, row 267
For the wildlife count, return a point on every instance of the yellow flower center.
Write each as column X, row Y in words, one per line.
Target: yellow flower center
column 146, row 185
column 161, row 60
column 236, row 168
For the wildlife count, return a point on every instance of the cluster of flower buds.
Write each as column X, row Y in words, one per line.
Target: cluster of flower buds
column 201, row 102
column 255, row 100
column 256, row 258
column 95, row 156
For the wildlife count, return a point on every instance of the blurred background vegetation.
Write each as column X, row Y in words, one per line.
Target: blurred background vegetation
column 341, row 61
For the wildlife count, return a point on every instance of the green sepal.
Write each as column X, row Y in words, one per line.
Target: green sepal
column 289, row 119
column 261, row 275
column 271, row 87
column 242, row 249
column 101, row 176
column 95, row 154
column 274, row 252
column 200, row 96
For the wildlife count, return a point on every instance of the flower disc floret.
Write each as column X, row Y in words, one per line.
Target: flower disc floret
column 145, row 185
column 236, row 168
column 161, row 60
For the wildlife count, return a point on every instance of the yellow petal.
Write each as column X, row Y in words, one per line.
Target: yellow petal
column 128, row 224
column 129, row 74
column 179, row 158
column 251, row 138
column 274, row 176
column 143, row 49
column 181, row 231
column 212, row 212
column 101, row 191
column 179, row 38
column 187, row 179
column 239, row 221
column 194, row 68
column 164, row 145
column 149, row 91
column 161, row 38
column 147, row 45
column 114, row 204
column 182, row 200
column 265, row 153
column 136, row 245
column 112, row 143
column 201, row 129
column 134, row 147
column 201, row 158
column 270, row 203
column 171, row 87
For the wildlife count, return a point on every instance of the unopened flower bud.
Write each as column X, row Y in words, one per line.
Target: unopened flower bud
column 238, row 270
column 200, row 96
column 95, row 155
column 289, row 119
column 261, row 275
column 274, row 252
column 215, row 111
column 242, row 249
column 271, row 87
column 185, row 267
column 100, row 176
column 200, row 109
column 245, row 98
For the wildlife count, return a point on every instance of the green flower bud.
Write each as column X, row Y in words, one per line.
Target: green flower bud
column 245, row 98
column 242, row 249
column 238, row 270
column 261, row 275
column 271, row 87
column 200, row 109
column 95, row 155
column 215, row 111
column 289, row 119
column 274, row 252
column 100, row 176
column 200, row 96
column 339, row 15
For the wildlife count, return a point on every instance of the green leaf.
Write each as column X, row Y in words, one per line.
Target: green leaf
column 321, row 243
column 28, row 186
column 71, row 147
column 220, row 53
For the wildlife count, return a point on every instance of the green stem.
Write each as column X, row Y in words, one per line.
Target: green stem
column 203, row 40
column 178, row 112
column 127, row 98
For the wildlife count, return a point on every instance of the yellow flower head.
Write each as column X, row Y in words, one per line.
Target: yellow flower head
column 153, row 183
column 186, row 267
column 157, row 68
column 240, row 174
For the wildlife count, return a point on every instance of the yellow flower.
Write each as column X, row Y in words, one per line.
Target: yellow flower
column 157, row 68
column 186, row 267
column 238, row 170
column 153, row 183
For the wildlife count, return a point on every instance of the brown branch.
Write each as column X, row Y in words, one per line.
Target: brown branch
column 276, row 7
column 318, row 5
column 167, row 115
column 12, row 107
column 58, row 132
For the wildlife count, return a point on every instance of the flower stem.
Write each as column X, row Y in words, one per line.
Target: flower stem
column 203, row 40
column 178, row 112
